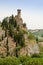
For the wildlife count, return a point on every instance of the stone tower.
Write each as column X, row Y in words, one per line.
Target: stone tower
column 18, row 17
column 19, row 13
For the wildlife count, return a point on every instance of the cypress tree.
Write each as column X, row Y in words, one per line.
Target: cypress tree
column 7, row 47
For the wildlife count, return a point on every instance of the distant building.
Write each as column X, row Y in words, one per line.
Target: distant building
column 18, row 18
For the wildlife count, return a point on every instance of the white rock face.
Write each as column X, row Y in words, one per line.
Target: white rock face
column 33, row 48
column 2, row 32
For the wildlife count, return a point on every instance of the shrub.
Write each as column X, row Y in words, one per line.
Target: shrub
column 31, row 36
column 34, row 61
column 24, row 60
column 36, row 55
column 9, row 61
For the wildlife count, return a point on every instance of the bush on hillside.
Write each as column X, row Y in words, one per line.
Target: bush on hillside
column 35, row 56
column 9, row 61
column 24, row 60
column 31, row 36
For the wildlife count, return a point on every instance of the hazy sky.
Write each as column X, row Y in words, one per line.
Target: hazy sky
column 32, row 11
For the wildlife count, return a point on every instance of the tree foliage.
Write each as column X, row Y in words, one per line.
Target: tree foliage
column 11, row 29
column 31, row 36
column 4, row 24
column 12, row 21
column 19, row 38
column 7, row 47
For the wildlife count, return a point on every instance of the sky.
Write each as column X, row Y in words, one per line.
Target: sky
column 31, row 11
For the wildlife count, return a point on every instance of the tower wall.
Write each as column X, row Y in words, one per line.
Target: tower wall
column 19, row 13
column 18, row 17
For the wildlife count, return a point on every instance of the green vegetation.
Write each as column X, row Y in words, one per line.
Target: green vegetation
column 41, row 49
column 12, row 21
column 38, row 34
column 36, row 55
column 24, row 60
column 7, row 47
column 19, row 34
column 31, row 36
column 11, row 30
column 4, row 24
column 37, row 39
column 9, row 61
column 9, row 25
column 19, row 39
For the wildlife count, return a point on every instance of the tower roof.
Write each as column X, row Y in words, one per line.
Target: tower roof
column 18, row 9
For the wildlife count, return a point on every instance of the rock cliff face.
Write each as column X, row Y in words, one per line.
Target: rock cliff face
column 30, row 47
column 33, row 48
column 2, row 32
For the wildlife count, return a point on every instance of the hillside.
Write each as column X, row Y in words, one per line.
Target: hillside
column 15, row 40
column 37, row 32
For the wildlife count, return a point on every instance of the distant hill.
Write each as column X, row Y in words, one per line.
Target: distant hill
column 37, row 32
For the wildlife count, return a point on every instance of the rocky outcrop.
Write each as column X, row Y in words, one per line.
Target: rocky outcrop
column 31, row 48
